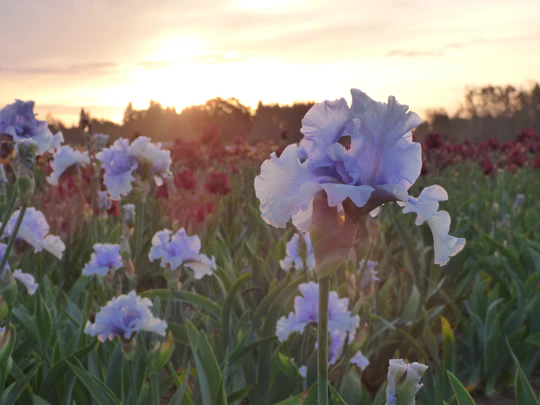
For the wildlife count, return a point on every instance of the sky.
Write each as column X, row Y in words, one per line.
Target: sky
column 102, row 54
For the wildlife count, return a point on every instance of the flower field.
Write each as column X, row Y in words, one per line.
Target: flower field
column 324, row 272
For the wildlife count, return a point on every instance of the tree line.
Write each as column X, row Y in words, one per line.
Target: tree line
column 489, row 111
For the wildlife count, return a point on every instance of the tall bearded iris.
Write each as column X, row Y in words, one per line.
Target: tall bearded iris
column 34, row 231
column 65, row 158
column 177, row 249
column 122, row 161
column 124, row 316
column 363, row 153
column 18, row 121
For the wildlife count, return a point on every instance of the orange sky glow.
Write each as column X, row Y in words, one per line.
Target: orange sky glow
column 101, row 54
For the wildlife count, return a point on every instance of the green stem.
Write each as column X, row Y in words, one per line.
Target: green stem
column 322, row 351
column 133, row 385
column 9, row 210
column 154, row 387
column 13, row 236
column 140, row 232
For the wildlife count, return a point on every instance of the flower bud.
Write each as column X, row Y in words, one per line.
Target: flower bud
column 129, row 347
column 25, row 163
column 161, row 353
column 7, row 342
column 403, row 382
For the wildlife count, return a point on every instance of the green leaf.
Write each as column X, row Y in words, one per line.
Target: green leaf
column 20, row 386
column 413, row 304
column 524, row 392
column 97, row 388
column 227, row 305
column 335, row 397
column 56, row 371
column 114, row 371
column 190, row 298
column 40, row 401
column 238, row 394
column 44, row 321
column 179, row 394
column 533, row 339
column 208, row 371
column 240, row 351
column 449, row 346
column 462, row 396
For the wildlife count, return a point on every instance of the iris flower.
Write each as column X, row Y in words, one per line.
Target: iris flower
column 122, row 161
column 403, row 381
column 176, row 249
column 364, row 153
column 34, row 230
column 18, row 121
column 106, row 257
column 124, row 316
column 306, row 311
column 370, row 274
column 293, row 258
column 119, row 165
column 63, row 159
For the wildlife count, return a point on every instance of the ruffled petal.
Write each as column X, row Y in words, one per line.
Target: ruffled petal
column 427, row 203
column 284, row 187
column 54, row 244
column 444, row 245
column 202, row 266
column 360, row 360
column 322, row 126
column 28, row 281
column 383, row 149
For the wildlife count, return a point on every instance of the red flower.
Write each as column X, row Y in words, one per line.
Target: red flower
column 219, row 183
column 425, row 168
column 487, row 167
column 525, row 135
column 434, row 140
column 185, row 179
column 493, row 143
column 204, row 210
column 162, row 191
column 517, row 156
column 115, row 209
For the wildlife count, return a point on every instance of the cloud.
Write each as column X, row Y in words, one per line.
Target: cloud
column 210, row 58
column 155, row 65
column 216, row 58
column 413, row 53
column 96, row 68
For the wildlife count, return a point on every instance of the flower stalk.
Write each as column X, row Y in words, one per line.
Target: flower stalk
column 322, row 351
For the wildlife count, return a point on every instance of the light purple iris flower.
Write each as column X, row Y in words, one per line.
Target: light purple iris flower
column 35, row 231
column 176, row 249
column 106, row 257
column 119, row 165
column 369, row 276
column 18, row 121
column 63, row 159
column 293, row 260
column 306, row 311
column 408, row 377
column 364, row 153
column 124, row 316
